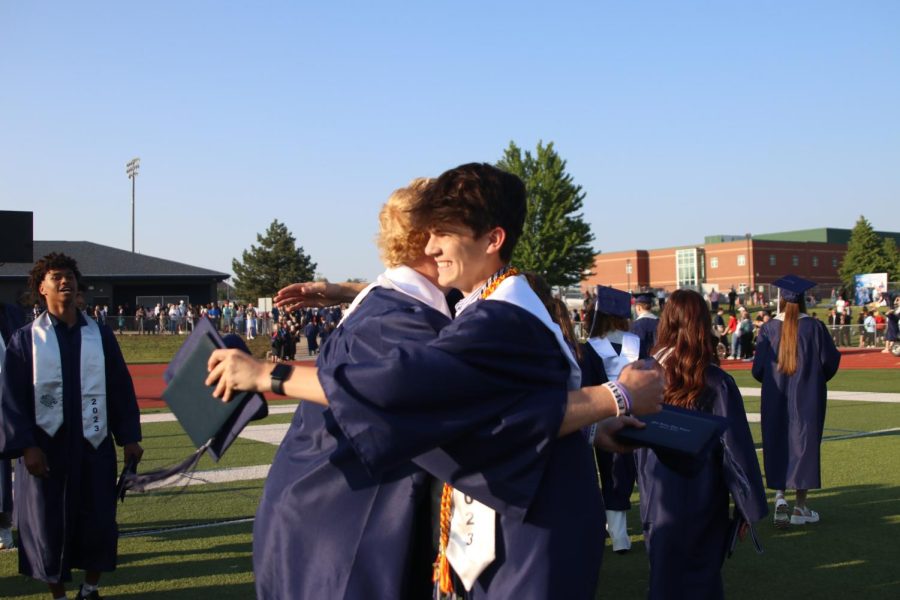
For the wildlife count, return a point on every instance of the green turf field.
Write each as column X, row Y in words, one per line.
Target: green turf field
column 142, row 349
column 852, row 552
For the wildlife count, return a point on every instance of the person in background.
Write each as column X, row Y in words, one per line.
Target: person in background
column 869, row 326
column 644, row 326
column 731, row 330
column 66, row 395
column 687, row 528
column 892, row 330
column 795, row 357
column 609, row 348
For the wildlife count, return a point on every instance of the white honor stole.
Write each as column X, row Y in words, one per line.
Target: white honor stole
column 614, row 363
column 471, row 547
column 48, row 382
column 407, row 281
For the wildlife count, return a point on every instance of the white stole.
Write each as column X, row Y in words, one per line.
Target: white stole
column 614, row 363
column 48, row 381
column 2, row 353
column 471, row 547
column 408, row 281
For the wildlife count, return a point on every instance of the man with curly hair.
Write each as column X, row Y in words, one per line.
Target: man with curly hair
column 66, row 395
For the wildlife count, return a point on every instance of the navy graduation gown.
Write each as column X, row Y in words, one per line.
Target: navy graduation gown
column 685, row 519
column 491, row 392
column 325, row 526
column 617, row 471
column 793, row 406
column 11, row 318
column 67, row 520
column 645, row 328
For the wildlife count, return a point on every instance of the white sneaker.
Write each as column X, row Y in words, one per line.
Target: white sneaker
column 6, row 539
column 782, row 520
column 803, row 516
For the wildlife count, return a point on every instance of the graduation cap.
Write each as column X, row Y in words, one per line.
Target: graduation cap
column 793, row 287
column 644, row 298
column 211, row 424
column 613, row 302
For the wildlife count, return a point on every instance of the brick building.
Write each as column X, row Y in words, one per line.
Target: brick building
column 750, row 262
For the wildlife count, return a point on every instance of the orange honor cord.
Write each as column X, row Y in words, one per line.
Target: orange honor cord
column 441, row 575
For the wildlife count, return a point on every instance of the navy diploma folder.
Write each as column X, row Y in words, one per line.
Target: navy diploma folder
column 677, row 431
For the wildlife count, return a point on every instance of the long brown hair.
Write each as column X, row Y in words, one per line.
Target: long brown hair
column 599, row 324
column 787, row 347
column 558, row 310
column 685, row 329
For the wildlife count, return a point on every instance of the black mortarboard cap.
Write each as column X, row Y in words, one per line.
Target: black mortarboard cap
column 613, row 302
column 247, row 407
column 644, row 298
column 212, row 431
column 793, row 287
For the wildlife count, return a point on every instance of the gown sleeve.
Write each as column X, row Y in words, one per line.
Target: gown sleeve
column 761, row 357
column 740, row 462
column 829, row 355
column 17, row 425
column 494, row 371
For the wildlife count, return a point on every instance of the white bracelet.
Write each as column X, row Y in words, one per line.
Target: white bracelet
column 619, row 396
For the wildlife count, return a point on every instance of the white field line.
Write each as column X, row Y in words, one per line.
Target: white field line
column 167, row 417
column 184, row 528
column 884, row 397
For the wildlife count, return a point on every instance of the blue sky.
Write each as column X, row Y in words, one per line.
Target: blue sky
column 679, row 119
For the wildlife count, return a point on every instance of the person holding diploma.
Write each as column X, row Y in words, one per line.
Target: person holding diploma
column 483, row 406
column 795, row 357
column 66, row 395
column 686, row 522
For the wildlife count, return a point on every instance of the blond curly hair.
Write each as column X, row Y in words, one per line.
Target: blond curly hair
column 398, row 242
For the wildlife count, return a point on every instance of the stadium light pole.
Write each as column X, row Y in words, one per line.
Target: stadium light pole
column 131, row 169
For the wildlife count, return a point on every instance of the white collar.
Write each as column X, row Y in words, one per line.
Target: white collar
column 407, row 281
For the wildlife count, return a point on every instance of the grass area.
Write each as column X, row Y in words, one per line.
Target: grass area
column 142, row 349
column 847, row 553
column 855, row 380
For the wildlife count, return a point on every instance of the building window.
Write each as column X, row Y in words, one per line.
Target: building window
column 689, row 268
column 795, row 260
column 714, row 262
column 742, row 260
column 834, row 263
column 742, row 288
column 772, row 260
column 815, row 261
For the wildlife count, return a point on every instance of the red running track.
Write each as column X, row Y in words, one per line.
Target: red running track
column 851, row 358
column 149, row 384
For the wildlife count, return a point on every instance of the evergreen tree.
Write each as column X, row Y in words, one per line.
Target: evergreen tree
column 555, row 242
column 275, row 263
column 866, row 253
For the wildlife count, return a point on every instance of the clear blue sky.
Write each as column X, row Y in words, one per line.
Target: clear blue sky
column 679, row 119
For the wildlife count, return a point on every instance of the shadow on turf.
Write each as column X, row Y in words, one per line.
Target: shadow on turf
column 850, row 553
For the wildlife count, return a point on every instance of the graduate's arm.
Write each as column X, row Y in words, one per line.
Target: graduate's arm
column 316, row 294
column 17, row 421
column 233, row 371
column 741, row 465
column 829, row 355
column 644, row 382
column 125, row 416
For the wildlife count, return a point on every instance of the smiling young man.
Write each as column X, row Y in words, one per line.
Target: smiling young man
column 66, row 393
column 484, row 406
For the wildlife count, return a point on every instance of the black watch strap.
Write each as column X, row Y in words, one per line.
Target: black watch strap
column 281, row 372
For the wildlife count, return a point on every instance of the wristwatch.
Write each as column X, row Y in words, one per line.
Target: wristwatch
column 281, row 372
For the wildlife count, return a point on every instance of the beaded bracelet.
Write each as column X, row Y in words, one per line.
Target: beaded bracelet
column 623, row 402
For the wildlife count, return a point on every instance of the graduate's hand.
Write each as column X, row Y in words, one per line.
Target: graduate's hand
column 645, row 382
column 132, row 451
column 235, row 370
column 36, row 462
column 606, row 431
column 309, row 294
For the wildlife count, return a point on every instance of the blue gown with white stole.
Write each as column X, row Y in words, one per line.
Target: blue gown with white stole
column 480, row 407
column 617, row 471
column 685, row 519
column 67, row 520
column 11, row 318
column 326, row 526
column 793, row 406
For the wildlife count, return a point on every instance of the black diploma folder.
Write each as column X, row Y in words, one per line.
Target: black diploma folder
column 200, row 413
column 681, row 438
